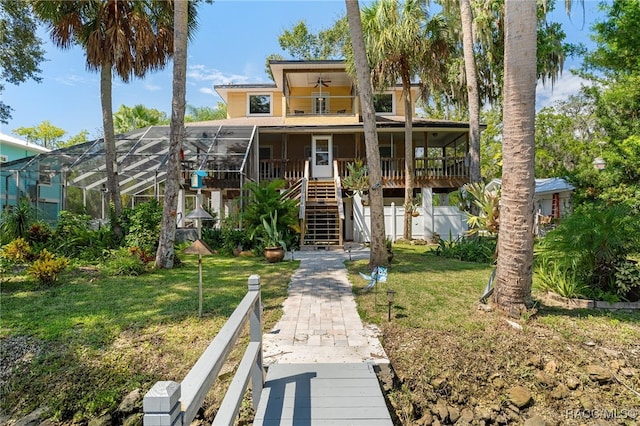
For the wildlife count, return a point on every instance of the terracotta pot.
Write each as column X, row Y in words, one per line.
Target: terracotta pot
column 274, row 254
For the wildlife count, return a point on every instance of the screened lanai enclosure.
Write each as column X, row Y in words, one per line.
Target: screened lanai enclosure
column 217, row 158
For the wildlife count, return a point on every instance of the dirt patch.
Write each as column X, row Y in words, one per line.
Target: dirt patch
column 498, row 373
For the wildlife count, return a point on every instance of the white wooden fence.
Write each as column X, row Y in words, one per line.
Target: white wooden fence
column 169, row 403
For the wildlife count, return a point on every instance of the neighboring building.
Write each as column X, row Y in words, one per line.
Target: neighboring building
column 39, row 185
column 304, row 128
column 552, row 199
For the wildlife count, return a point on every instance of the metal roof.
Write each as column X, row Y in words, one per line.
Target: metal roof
column 543, row 186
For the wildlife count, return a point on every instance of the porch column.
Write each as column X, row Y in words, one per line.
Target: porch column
column 427, row 205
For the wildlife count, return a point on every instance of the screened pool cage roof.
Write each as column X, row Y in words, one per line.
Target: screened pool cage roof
column 143, row 156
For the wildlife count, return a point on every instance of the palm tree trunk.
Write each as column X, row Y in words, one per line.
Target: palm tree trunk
column 165, row 256
column 515, row 239
column 408, row 157
column 472, row 90
column 378, row 254
column 111, row 162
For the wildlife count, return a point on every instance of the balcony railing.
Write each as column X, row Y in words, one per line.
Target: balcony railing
column 425, row 169
column 320, row 105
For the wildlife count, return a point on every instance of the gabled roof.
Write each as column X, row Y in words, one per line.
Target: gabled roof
column 19, row 143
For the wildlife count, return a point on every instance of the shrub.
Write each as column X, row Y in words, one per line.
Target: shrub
column 47, row 267
column 627, row 276
column 141, row 225
column 560, row 281
column 17, row 251
column 214, row 237
column 123, row 262
column 478, row 249
column 39, row 233
column 16, row 220
column 591, row 243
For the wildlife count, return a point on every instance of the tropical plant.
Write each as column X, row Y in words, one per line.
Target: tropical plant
column 401, row 41
column 16, row 251
column 165, row 255
column 475, row 197
column 271, row 235
column 47, row 267
column 469, row 249
column 122, row 262
column 564, row 282
column 128, row 37
column 266, row 199
column 141, row 225
column 357, row 179
column 515, row 242
column 378, row 253
column 16, row 220
column 593, row 243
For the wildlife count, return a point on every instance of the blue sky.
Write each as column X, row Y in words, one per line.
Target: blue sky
column 232, row 42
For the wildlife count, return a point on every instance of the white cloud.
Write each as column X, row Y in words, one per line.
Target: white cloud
column 207, row 91
column 72, row 80
column 200, row 73
column 568, row 84
column 152, row 87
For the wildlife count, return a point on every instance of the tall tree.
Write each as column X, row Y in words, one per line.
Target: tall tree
column 466, row 18
column 20, row 48
column 45, row 134
column 378, row 254
column 206, row 113
column 128, row 37
column 138, row 116
column 400, row 41
column 165, row 256
column 515, row 239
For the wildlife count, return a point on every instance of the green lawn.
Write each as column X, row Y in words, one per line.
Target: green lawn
column 91, row 339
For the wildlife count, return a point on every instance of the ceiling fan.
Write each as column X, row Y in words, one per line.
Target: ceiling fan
column 322, row 81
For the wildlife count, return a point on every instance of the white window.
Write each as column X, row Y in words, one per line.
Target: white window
column 384, row 103
column 259, row 104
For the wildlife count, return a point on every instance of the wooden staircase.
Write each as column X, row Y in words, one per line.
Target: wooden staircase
column 322, row 224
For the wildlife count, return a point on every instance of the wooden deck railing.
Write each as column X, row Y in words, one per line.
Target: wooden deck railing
column 392, row 169
column 169, row 403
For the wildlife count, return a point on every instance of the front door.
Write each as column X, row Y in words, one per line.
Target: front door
column 321, row 157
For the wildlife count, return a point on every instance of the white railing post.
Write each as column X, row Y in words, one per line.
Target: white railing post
column 255, row 332
column 161, row 405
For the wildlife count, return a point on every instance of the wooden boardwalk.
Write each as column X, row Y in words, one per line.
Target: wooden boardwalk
column 322, row 394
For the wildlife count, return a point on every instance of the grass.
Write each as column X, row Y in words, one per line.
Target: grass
column 442, row 347
column 92, row 339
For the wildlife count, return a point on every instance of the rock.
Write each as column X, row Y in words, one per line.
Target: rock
column 499, row 383
column 513, row 414
column 441, row 409
column 519, row 396
column 535, row 361
column 560, row 392
column 627, row 372
column 128, row 404
column 466, row 416
column 426, row 419
column 103, row 420
column 551, row 367
column 485, row 308
column 32, row 418
column 543, row 378
column 615, row 365
column 454, row 414
column 438, row 382
column 599, row 374
column 586, row 403
column 573, row 383
column 483, row 413
column 536, row 420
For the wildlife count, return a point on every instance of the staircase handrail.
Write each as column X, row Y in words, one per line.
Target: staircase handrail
column 338, row 184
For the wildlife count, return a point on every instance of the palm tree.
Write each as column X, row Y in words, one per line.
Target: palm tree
column 165, row 255
column 466, row 18
column 378, row 254
column 515, row 238
column 400, row 43
column 128, row 37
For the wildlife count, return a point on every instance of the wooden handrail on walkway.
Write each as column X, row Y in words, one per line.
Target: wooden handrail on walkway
column 169, row 403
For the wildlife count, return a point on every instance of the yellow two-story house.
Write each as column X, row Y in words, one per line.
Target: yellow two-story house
column 307, row 128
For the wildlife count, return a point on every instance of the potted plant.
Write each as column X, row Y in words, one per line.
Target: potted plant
column 273, row 240
column 357, row 180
